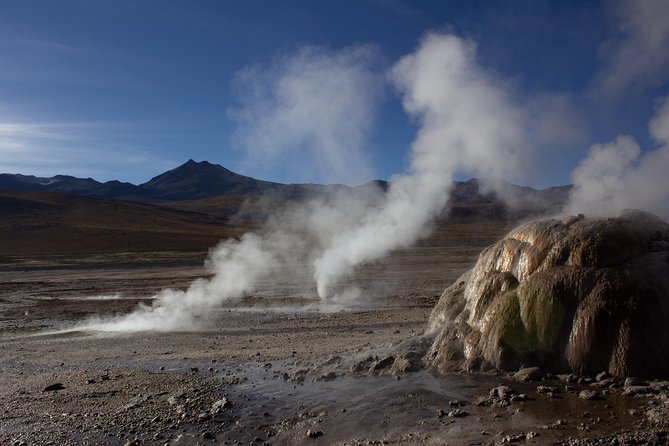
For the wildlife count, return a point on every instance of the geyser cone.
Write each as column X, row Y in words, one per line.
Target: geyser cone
column 579, row 294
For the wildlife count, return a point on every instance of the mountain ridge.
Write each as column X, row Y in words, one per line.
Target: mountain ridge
column 195, row 180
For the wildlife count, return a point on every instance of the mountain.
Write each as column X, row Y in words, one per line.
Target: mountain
column 193, row 180
column 202, row 184
column 87, row 187
column 196, row 204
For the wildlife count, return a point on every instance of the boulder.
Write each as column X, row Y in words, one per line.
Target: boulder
column 580, row 295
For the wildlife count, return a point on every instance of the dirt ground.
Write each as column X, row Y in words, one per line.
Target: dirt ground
column 277, row 367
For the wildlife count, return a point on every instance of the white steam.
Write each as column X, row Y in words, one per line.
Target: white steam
column 617, row 175
column 467, row 125
column 637, row 58
column 310, row 114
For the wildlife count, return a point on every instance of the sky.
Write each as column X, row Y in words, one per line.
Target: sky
column 301, row 91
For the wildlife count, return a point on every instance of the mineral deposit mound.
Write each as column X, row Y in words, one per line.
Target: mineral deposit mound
column 581, row 294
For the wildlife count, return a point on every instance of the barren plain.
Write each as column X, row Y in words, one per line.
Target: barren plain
column 277, row 367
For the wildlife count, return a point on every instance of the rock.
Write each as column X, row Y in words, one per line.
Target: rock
column 660, row 385
column 220, row 405
column 441, row 413
column 631, row 381
column 454, row 403
column 314, row 433
column 602, row 376
column 327, row 376
column 54, row 386
column 203, row 416
column 568, row 378
column 548, row 390
column 639, row 391
column 382, row 363
column 457, row 413
column 501, row 392
column 403, row 365
column 589, row 395
column 500, row 396
column 579, row 294
column 528, row 374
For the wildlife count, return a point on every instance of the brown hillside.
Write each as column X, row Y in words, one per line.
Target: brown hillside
column 50, row 223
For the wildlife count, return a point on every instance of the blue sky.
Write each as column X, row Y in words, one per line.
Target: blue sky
column 116, row 89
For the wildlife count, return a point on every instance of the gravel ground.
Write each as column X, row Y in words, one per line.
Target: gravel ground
column 274, row 368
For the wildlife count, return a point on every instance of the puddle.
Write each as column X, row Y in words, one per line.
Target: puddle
column 357, row 410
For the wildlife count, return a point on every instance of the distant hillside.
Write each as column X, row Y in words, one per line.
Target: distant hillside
column 57, row 223
column 198, row 203
column 201, row 185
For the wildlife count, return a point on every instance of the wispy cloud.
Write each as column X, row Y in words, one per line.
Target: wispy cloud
column 636, row 58
column 58, row 47
column 72, row 148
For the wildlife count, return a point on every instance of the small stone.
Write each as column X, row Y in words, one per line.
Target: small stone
column 639, row 391
column 454, row 403
column 602, row 376
column 314, row 433
column 54, row 386
column 90, row 381
column 548, row 390
column 457, row 413
column 568, row 378
column 220, row 405
column 589, row 395
column 441, row 413
column 383, row 363
column 203, row 416
column 528, row 374
column 631, row 381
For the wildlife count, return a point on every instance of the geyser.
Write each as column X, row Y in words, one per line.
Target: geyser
column 580, row 294
column 468, row 124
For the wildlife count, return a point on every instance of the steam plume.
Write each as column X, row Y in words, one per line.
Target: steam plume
column 617, row 175
column 637, row 58
column 311, row 113
column 467, row 125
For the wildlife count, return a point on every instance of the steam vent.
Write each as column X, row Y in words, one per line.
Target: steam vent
column 584, row 295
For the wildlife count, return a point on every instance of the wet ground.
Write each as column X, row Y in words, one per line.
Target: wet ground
column 275, row 368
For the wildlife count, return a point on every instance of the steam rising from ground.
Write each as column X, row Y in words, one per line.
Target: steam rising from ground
column 617, row 175
column 309, row 114
column 467, row 124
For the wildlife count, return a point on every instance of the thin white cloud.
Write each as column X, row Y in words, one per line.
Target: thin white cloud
column 70, row 148
column 637, row 58
column 310, row 114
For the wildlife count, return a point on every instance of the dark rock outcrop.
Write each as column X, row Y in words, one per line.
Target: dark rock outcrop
column 581, row 294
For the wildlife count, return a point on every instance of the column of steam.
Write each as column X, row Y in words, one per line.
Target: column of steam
column 468, row 124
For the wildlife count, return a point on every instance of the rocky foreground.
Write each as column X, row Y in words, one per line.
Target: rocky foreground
column 277, row 371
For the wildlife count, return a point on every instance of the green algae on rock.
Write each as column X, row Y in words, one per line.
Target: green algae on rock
column 581, row 294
